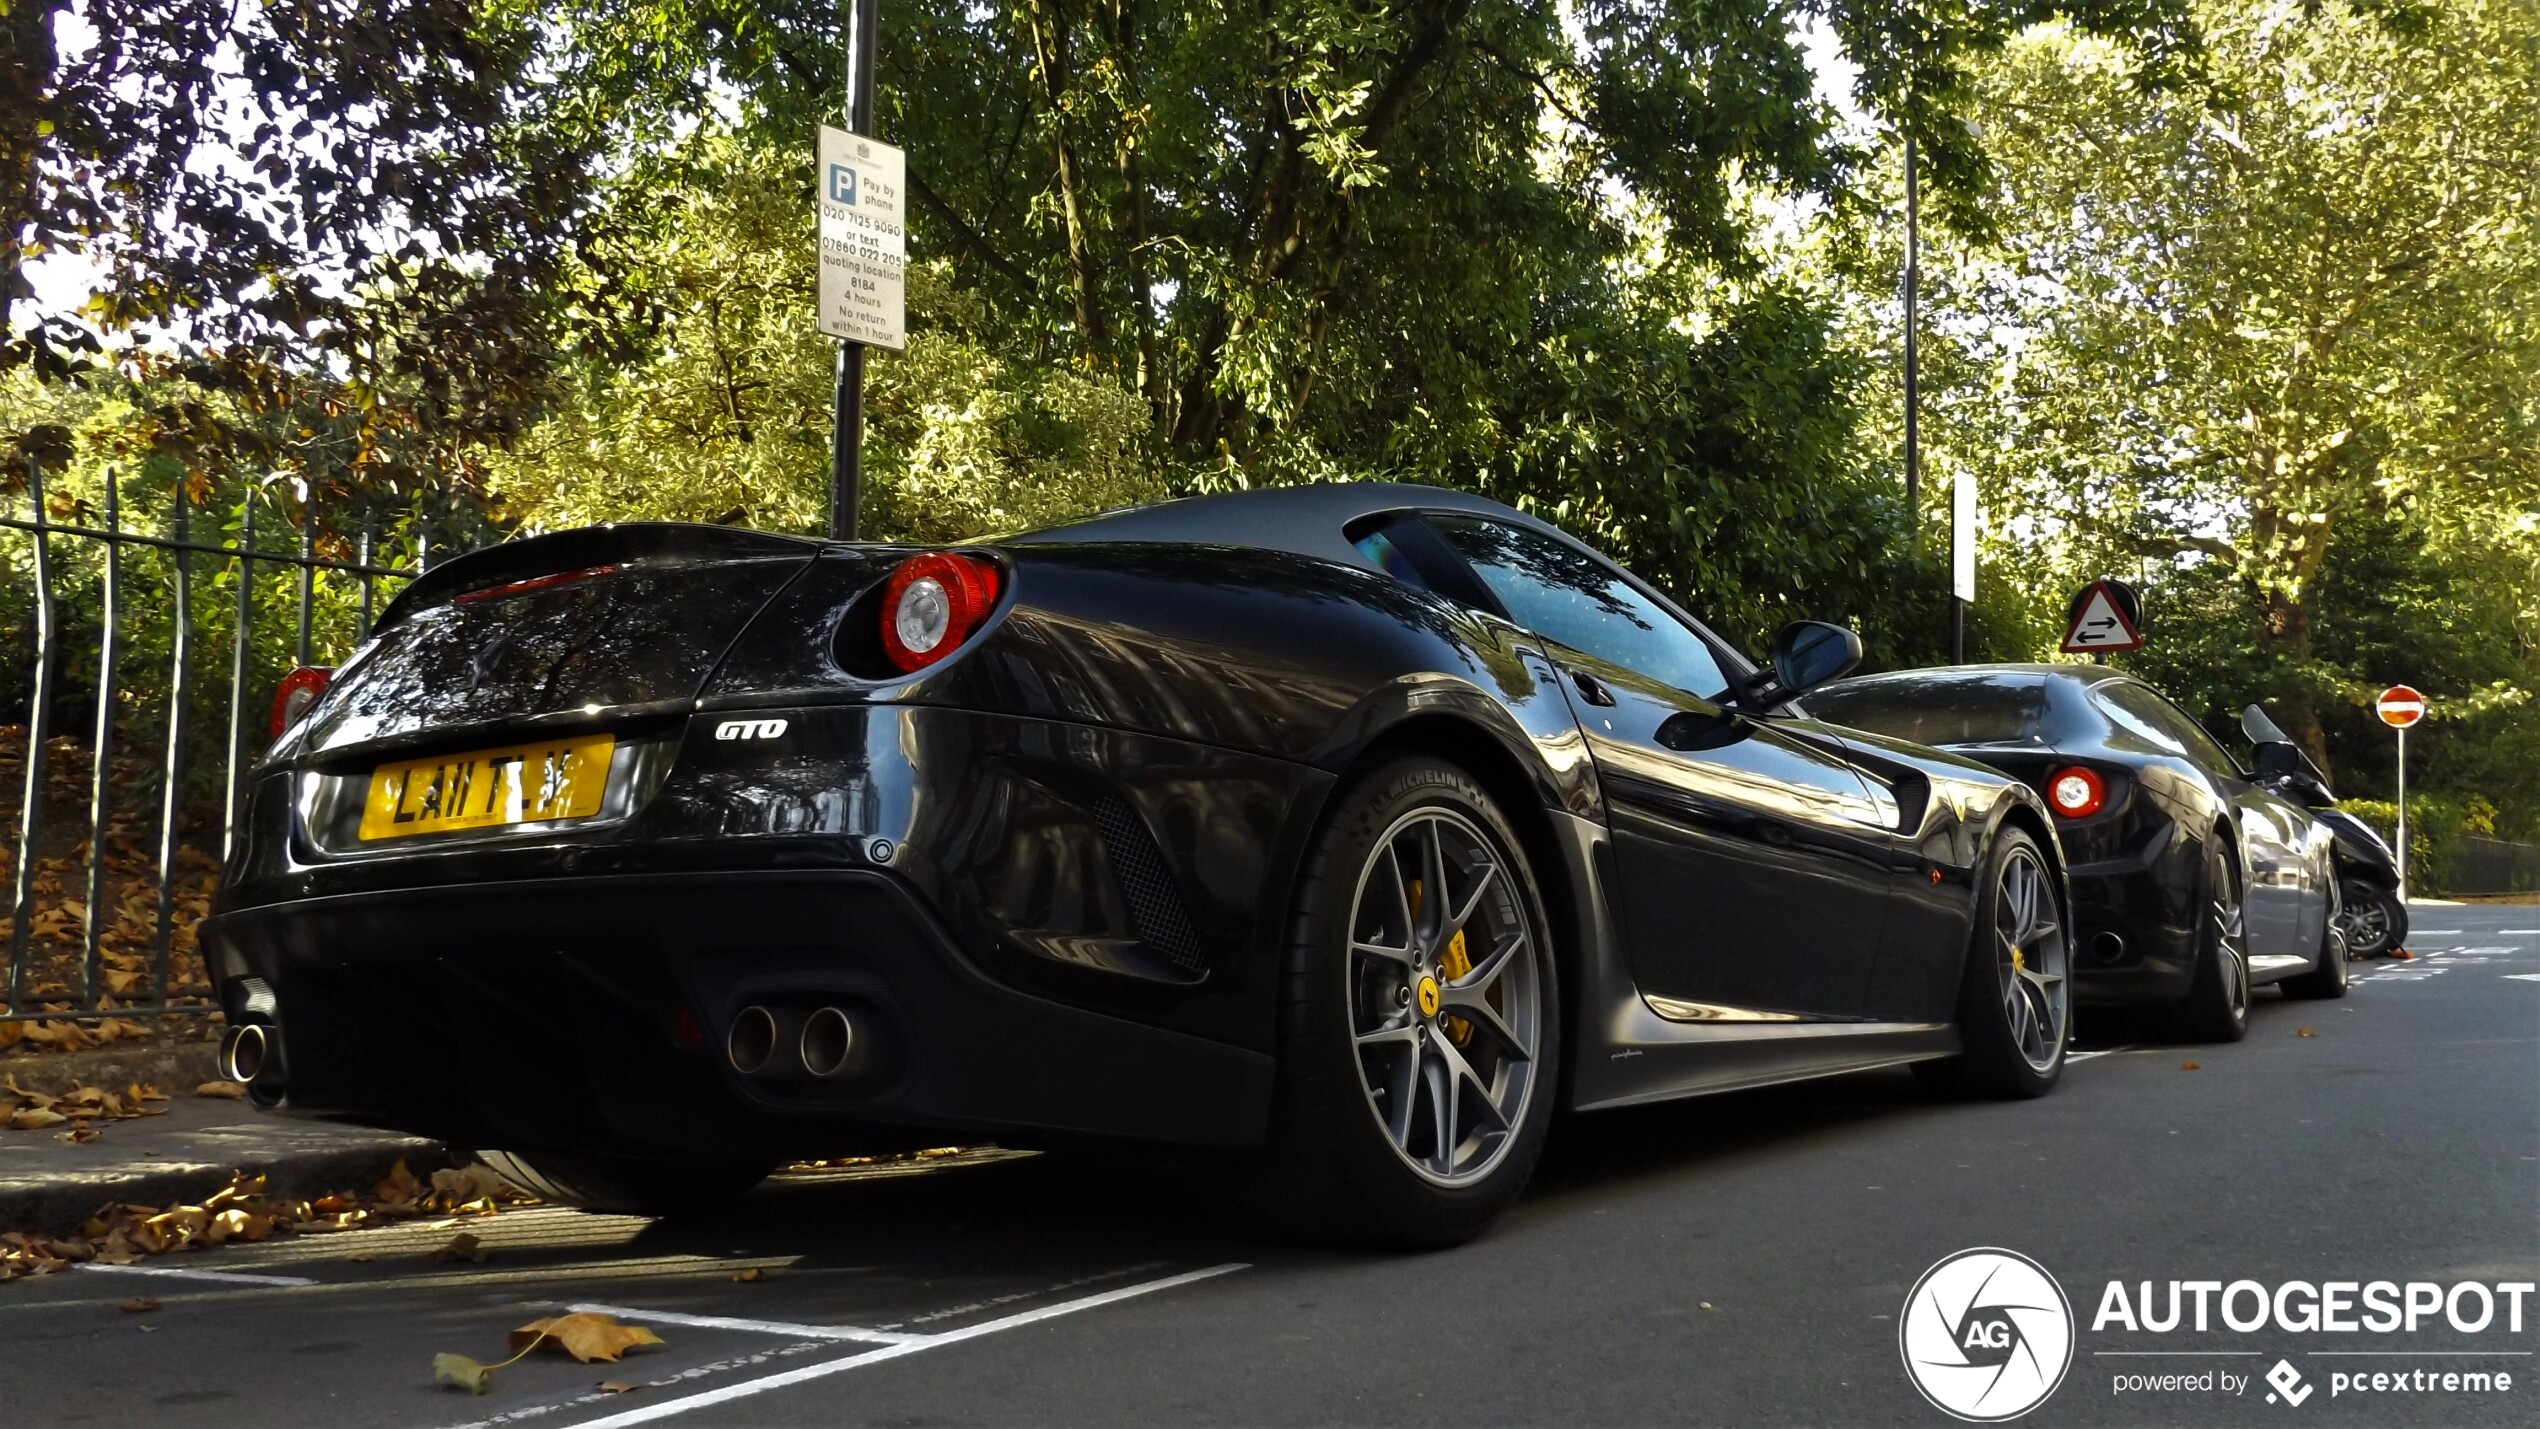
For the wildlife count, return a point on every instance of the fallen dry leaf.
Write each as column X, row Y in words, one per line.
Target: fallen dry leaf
column 753, row 1274
column 2188, row 1067
column 463, row 1246
column 232, row 1090
column 35, row 1118
column 587, row 1335
column 2304, row 1032
column 460, row 1372
column 617, row 1386
column 139, row 1305
column 399, row 1186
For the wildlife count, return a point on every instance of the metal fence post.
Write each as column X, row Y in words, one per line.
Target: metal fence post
column 308, row 566
column 172, row 784
column 370, row 525
column 38, row 716
column 238, row 674
column 101, row 750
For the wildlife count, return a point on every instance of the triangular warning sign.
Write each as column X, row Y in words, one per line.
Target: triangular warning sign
column 2099, row 623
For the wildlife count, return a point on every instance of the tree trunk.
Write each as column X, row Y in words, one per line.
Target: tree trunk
column 26, row 82
column 1050, row 56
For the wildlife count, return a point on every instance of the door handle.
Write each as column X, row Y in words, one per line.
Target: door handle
column 1592, row 689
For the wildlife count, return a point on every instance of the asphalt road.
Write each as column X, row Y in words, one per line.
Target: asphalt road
column 1741, row 1260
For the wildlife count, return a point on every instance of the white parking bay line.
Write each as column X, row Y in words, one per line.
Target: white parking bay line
column 764, row 1327
column 2524, row 977
column 808, row 1373
column 232, row 1277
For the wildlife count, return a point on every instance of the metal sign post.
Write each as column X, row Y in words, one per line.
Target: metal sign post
column 1962, row 562
column 846, row 414
column 1913, row 392
column 2399, row 707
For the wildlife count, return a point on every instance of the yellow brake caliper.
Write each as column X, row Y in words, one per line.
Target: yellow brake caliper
column 1454, row 963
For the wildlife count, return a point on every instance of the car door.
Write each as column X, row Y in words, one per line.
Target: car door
column 1750, row 853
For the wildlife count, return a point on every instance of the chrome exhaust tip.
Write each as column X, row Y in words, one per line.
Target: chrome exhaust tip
column 245, row 1052
column 835, row 1044
column 760, row 1041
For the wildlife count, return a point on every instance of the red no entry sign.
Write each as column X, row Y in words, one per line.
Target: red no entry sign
column 2399, row 706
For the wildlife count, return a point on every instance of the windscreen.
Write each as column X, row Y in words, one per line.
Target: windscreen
column 1940, row 709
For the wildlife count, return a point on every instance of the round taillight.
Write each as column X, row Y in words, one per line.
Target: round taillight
column 932, row 603
column 2076, row 793
column 299, row 690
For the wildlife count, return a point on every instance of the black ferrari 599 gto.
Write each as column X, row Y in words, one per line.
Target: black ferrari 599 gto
column 1350, row 830
column 2194, row 879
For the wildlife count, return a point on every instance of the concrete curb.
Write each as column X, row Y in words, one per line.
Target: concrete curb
column 172, row 1067
column 58, row 1208
column 51, row 1189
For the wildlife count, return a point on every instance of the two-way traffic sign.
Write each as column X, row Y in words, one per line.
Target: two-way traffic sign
column 2105, row 615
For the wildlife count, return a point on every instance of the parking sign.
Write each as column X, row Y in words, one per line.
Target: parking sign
column 863, row 240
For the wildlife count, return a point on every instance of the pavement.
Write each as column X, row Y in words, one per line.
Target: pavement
column 1742, row 1259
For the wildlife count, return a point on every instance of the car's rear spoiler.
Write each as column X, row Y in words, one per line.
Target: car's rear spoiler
column 625, row 543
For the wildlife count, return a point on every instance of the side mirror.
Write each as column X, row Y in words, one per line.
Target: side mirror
column 1808, row 653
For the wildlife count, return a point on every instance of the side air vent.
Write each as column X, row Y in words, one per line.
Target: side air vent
column 1154, row 905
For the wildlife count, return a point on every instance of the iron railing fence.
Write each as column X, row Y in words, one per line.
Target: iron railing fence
column 2491, row 865
column 51, row 976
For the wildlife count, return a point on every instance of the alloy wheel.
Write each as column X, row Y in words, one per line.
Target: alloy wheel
column 2034, row 997
column 1446, row 995
column 2231, row 942
column 2366, row 925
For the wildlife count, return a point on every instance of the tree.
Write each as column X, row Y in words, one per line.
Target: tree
column 367, row 194
column 2244, row 326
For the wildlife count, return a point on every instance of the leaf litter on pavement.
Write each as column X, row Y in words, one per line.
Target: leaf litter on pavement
column 76, row 1111
column 126, row 1233
column 587, row 1335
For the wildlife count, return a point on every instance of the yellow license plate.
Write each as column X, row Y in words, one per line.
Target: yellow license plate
column 488, row 788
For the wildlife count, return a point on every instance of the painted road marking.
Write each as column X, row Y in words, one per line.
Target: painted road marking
column 764, row 1327
column 2518, row 932
column 2524, row 977
column 2101, row 1052
column 808, row 1373
column 234, row 1277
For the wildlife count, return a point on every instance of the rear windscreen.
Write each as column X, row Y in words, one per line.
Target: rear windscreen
column 1939, row 709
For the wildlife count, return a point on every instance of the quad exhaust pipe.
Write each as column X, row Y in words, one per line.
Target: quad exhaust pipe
column 793, row 1044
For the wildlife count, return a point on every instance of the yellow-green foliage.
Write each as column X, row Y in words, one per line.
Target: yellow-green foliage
column 731, row 411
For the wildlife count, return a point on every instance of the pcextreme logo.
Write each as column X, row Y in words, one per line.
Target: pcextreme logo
column 1986, row 1335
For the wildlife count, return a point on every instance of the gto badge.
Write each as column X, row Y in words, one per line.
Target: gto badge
column 749, row 729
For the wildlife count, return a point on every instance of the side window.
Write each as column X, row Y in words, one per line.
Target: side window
column 2143, row 712
column 1564, row 594
column 2201, row 747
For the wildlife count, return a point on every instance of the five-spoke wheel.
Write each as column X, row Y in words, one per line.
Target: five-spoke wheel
column 2031, row 932
column 1445, row 994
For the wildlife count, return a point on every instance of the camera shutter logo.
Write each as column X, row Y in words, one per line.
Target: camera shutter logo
column 1986, row 1335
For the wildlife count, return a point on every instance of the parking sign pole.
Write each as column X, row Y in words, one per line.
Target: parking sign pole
column 1913, row 391
column 846, row 414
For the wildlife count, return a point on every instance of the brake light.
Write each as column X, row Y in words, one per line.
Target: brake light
column 497, row 592
column 2076, row 793
column 932, row 603
column 299, row 690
